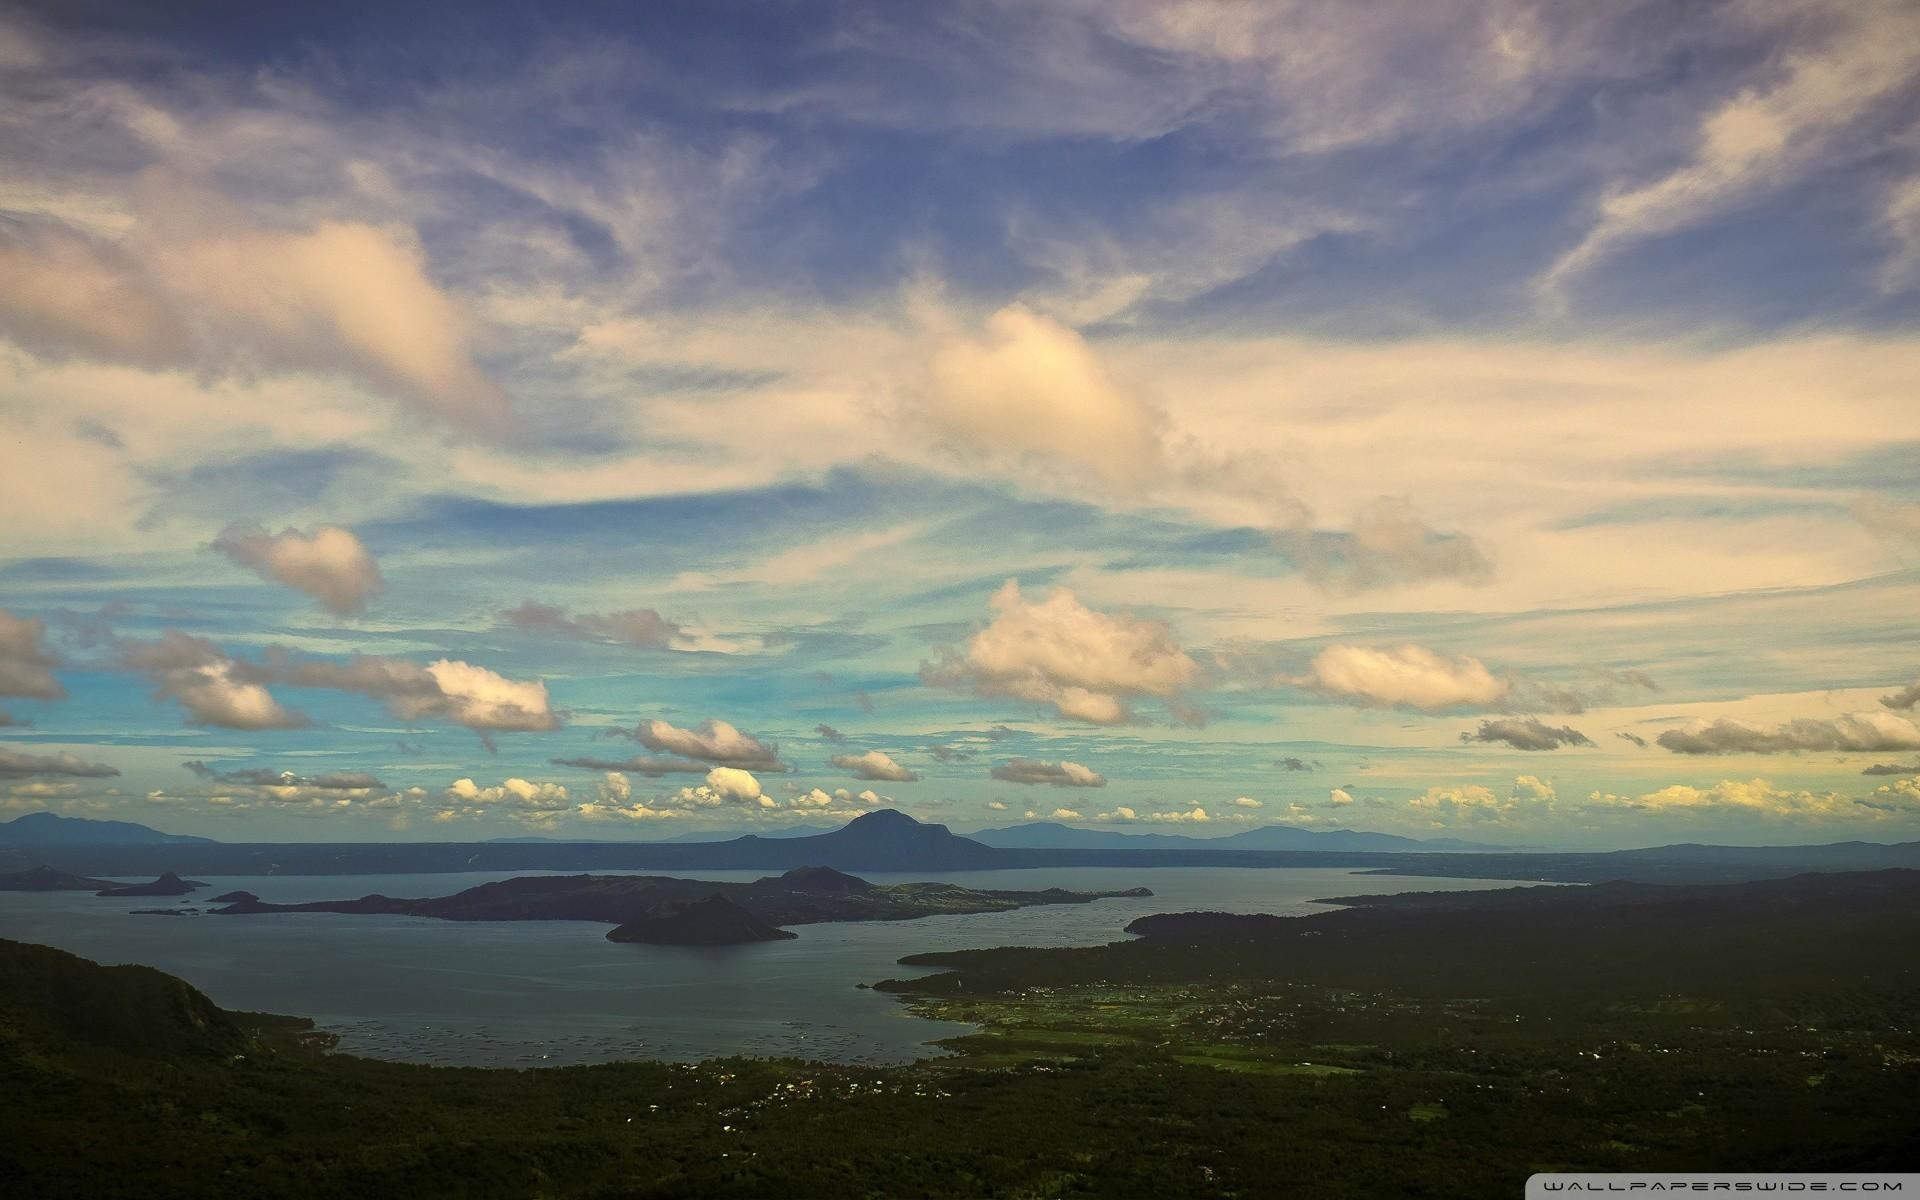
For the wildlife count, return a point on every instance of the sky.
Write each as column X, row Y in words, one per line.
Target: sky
column 446, row 421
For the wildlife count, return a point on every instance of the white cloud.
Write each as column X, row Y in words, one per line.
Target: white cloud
column 1446, row 803
column 208, row 684
column 997, row 805
column 1247, row 802
column 1064, row 814
column 874, row 765
column 1405, row 676
column 1194, row 816
column 1753, row 795
column 194, row 285
column 1058, row 774
column 1340, row 797
column 731, row 783
column 1388, row 545
column 1532, row 788
column 1086, row 664
column 328, row 563
column 712, row 741
column 522, row 792
column 1033, row 388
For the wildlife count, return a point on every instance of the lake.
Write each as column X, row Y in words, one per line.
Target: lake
column 551, row 993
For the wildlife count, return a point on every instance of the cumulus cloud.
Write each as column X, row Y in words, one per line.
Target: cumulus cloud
column 217, row 689
column 1032, row 388
column 1247, row 802
column 1527, row 733
column 643, row 627
column 1445, row 803
column 711, row 742
column 874, row 765
column 549, row 797
column 1339, row 797
column 192, row 286
column 1087, row 665
column 17, row 765
column 1405, row 676
column 1532, row 788
column 1861, row 731
column 1388, row 545
column 447, row 689
column 208, row 683
column 1194, row 816
column 1753, row 795
column 327, row 562
column 997, row 805
column 1058, row 774
column 26, row 664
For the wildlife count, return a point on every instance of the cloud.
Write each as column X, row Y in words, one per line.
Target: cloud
column 16, row 765
column 329, row 781
column 1194, row 816
column 711, row 742
column 1532, row 788
column 1527, row 733
column 192, row 285
column 448, row 689
column 1247, row 802
column 1058, row 774
column 1892, row 769
column 1464, row 802
column 520, row 792
column 1087, row 665
column 829, row 733
column 1635, row 738
column 208, row 683
column 26, row 664
column 997, row 805
column 327, row 562
column 1290, row 763
column 1405, row 676
column 1033, row 389
column 1892, row 522
column 652, row 768
column 1389, row 545
column 874, row 765
column 732, row 783
column 1339, row 797
column 643, row 627
column 1861, row 731
column 1905, row 698
column 1765, row 136
column 1604, row 688
column 1754, row 795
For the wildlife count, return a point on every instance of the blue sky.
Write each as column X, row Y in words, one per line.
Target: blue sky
column 1488, row 420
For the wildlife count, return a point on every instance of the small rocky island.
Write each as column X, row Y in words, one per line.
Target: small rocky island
column 666, row 910
column 715, row 921
column 168, row 884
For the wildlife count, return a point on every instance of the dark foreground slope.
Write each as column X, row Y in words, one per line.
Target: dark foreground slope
column 1209, row 1058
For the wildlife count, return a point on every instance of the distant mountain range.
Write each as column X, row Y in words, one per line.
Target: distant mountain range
column 1051, row 835
column 697, row 835
column 892, row 841
column 50, row 829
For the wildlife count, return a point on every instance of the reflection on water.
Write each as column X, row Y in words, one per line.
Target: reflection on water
column 551, row 993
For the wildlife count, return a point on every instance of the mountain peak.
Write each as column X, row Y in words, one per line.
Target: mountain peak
column 882, row 818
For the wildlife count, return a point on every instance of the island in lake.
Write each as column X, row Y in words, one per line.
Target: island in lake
column 666, row 910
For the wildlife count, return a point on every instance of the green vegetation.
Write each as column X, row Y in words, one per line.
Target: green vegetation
column 1214, row 1057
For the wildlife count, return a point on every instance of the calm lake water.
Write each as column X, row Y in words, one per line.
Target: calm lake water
column 548, row 993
